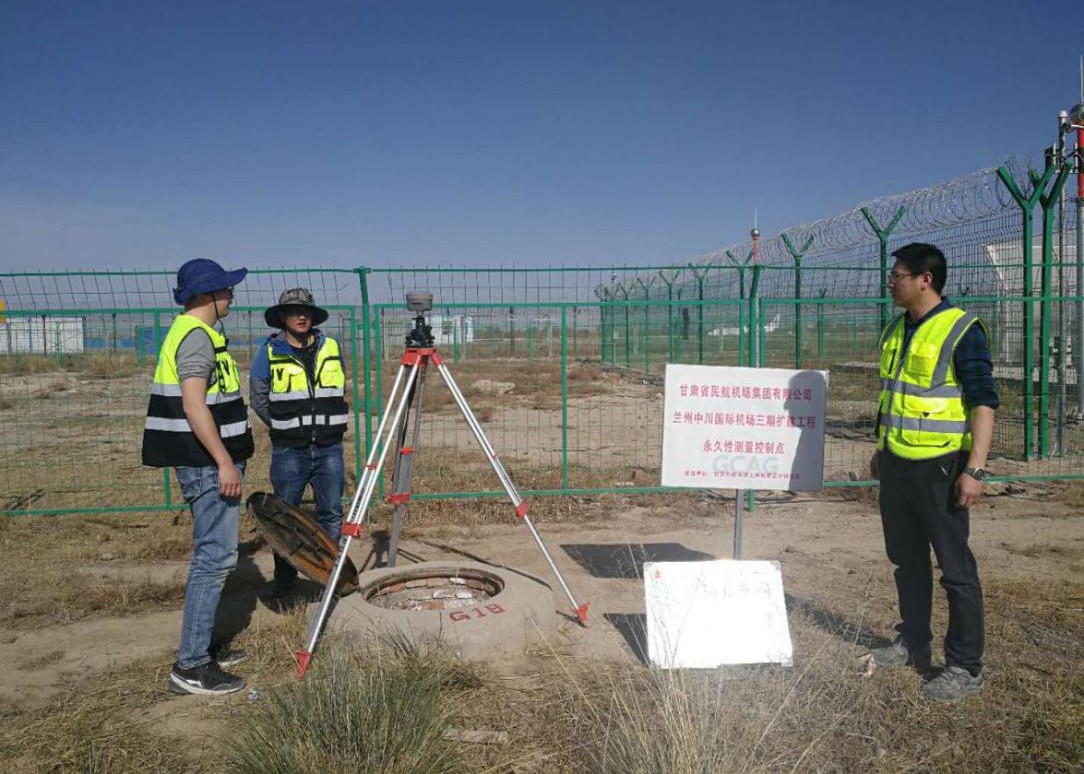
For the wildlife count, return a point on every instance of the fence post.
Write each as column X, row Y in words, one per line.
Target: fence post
column 564, row 402
column 1048, row 200
column 512, row 330
column 797, row 255
column 603, row 294
column 742, row 357
column 820, row 327
column 366, row 364
column 647, row 339
column 354, row 394
column 628, row 342
column 1027, row 205
column 756, row 343
column 883, row 233
column 756, row 351
column 700, row 276
column 575, row 331
column 669, row 282
column 138, row 341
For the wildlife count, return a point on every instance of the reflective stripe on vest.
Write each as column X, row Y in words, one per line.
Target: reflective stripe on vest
column 302, row 413
column 920, row 411
column 168, row 440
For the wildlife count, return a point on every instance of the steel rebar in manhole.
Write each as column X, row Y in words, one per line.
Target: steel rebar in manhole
column 433, row 592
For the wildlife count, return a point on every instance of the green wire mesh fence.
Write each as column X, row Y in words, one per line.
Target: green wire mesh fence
column 563, row 365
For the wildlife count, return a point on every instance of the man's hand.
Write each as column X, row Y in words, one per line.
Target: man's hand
column 875, row 466
column 968, row 490
column 229, row 481
column 193, row 398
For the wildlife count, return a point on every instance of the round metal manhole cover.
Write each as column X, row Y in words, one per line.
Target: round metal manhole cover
column 444, row 591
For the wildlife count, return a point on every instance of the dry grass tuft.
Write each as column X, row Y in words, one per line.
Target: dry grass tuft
column 349, row 716
column 819, row 715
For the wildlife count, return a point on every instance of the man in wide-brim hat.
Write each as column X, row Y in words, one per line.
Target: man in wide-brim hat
column 296, row 387
column 298, row 303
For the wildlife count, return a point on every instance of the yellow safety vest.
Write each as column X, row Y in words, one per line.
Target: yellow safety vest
column 303, row 413
column 921, row 412
column 168, row 440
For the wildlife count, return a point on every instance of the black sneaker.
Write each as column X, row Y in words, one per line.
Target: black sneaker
column 206, row 680
column 229, row 656
column 952, row 684
column 898, row 654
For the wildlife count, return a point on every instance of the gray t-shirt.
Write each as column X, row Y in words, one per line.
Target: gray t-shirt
column 196, row 357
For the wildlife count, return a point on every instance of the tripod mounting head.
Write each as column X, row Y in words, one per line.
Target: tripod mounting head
column 421, row 335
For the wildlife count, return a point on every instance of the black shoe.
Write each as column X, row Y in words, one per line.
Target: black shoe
column 952, row 684
column 229, row 656
column 898, row 654
column 205, row 680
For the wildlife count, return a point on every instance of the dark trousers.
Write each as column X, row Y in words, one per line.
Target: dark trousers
column 919, row 511
column 292, row 471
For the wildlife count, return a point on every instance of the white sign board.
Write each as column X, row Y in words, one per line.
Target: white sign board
column 743, row 428
column 707, row 614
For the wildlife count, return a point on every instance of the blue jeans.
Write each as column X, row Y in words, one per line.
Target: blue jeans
column 214, row 554
column 292, row 470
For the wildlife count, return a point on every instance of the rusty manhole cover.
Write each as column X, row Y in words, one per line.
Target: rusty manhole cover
column 443, row 591
column 300, row 541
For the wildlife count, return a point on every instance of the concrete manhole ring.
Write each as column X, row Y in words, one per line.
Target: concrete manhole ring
column 476, row 610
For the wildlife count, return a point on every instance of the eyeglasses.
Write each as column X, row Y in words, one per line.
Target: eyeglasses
column 896, row 276
column 295, row 311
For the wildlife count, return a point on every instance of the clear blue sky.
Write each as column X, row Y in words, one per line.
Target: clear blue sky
column 140, row 134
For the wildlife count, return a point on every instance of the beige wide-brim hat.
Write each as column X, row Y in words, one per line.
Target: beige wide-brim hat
column 274, row 316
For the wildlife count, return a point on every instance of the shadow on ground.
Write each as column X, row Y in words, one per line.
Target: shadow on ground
column 844, row 628
column 633, row 627
column 240, row 595
column 626, row 560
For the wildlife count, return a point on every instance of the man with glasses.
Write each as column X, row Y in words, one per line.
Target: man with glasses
column 197, row 424
column 296, row 387
column 935, row 421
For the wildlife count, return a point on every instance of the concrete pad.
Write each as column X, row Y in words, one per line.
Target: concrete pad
column 520, row 615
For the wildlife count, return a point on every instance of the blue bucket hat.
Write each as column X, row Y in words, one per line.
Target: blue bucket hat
column 202, row 275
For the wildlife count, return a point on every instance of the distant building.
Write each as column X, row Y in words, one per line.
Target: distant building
column 41, row 335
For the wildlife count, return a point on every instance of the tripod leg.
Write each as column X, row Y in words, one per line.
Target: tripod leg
column 351, row 529
column 506, row 482
column 369, row 468
column 404, row 462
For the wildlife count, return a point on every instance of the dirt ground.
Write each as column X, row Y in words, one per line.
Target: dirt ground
column 92, row 608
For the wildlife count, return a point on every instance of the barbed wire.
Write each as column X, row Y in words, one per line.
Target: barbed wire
column 973, row 198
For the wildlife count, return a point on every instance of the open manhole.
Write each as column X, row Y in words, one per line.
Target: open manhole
column 460, row 590
column 479, row 611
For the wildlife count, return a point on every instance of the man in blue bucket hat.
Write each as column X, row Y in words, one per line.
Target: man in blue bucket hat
column 197, row 423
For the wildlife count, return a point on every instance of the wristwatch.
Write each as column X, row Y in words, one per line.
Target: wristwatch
column 976, row 473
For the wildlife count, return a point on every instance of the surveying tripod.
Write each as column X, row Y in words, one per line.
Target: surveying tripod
column 406, row 397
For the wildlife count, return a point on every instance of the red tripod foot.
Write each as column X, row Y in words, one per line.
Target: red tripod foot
column 581, row 614
column 303, row 658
